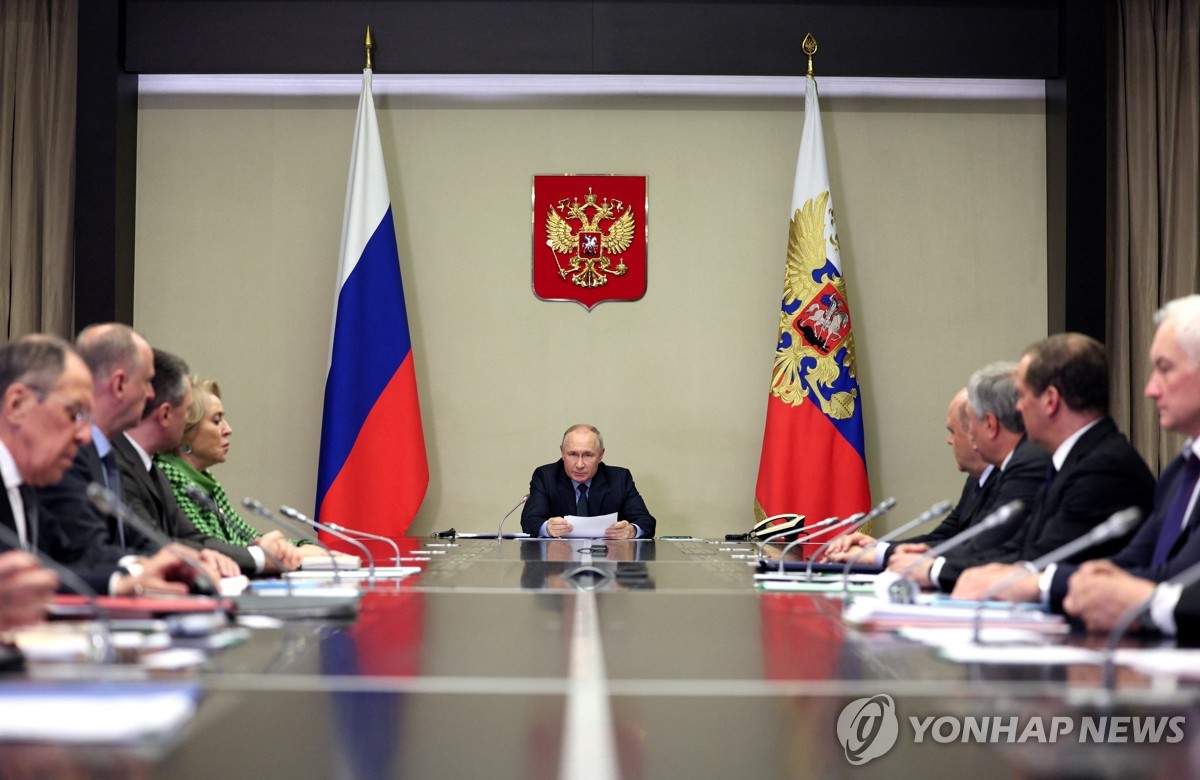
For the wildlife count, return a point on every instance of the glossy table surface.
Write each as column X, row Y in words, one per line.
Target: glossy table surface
column 646, row 659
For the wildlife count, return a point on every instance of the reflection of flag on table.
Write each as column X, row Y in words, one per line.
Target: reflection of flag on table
column 372, row 473
column 812, row 457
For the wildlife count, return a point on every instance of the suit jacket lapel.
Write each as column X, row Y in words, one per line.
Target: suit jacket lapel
column 983, row 497
column 160, row 488
column 91, row 458
column 1193, row 517
column 597, row 492
column 1061, row 478
column 6, row 515
column 565, row 489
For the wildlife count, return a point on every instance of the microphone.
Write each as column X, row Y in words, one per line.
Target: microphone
column 838, row 526
column 904, row 590
column 883, row 506
column 1117, row 524
column 808, row 532
column 100, row 641
column 451, row 534
column 287, row 511
column 500, row 530
column 107, row 502
column 267, row 515
column 937, row 510
column 1187, row 577
column 377, row 537
column 205, row 501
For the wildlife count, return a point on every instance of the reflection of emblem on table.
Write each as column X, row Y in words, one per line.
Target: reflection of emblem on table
column 814, row 324
column 605, row 230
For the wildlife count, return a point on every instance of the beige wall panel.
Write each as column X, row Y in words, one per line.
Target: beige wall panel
column 940, row 207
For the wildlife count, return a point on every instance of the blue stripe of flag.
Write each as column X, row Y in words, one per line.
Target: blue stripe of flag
column 370, row 342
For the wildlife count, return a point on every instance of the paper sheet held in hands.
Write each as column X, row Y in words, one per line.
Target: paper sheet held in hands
column 589, row 527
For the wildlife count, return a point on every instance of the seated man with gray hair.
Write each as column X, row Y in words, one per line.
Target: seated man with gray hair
column 579, row 484
column 997, row 433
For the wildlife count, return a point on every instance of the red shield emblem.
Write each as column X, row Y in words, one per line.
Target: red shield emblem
column 824, row 321
column 589, row 238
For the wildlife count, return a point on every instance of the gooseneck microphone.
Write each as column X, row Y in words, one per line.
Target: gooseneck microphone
column 1117, row 524
column 500, row 530
column 270, row 517
column 300, row 517
column 205, row 501
column 884, row 506
column 100, row 640
column 365, row 535
column 937, row 510
column 107, row 502
column 1188, row 576
column 838, row 526
column 904, row 590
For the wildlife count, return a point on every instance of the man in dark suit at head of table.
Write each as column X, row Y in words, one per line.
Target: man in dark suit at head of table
column 581, row 485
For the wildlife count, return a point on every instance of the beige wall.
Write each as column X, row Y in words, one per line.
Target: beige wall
column 941, row 212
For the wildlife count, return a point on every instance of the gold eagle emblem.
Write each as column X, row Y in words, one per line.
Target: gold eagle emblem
column 812, row 333
column 591, row 248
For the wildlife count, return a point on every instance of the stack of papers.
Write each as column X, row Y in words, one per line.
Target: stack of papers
column 381, row 572
column 877, row 613
column 821, row 583
column 325, row 563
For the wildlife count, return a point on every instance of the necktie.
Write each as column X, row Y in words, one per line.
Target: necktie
column 1172, row 526
column 30, row 502
column 581, row 506
column 112, row 476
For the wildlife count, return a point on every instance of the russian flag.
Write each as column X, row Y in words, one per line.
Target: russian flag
column 813, row 459
column 373, row 473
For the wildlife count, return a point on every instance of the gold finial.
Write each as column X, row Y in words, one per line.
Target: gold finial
column 809, row 46
column 370, row 42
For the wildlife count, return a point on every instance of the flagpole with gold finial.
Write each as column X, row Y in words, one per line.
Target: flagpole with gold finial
column 370, row 43
column 809, row 46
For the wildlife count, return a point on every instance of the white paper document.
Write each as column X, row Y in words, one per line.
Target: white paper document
column 589, row 527
column 325, row 563
column 94, row 713
column 381, row 572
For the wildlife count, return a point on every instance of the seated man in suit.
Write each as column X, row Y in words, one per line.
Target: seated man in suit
column 46, row 395
column 997, row 433
column 1167, row 543
column 580, row 484
column 968, row 461
column 147, row 492
column 1063, row 387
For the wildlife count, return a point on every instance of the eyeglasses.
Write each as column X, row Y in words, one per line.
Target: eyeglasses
column 76, row 412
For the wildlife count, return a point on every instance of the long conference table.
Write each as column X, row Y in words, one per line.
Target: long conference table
column 637, row 659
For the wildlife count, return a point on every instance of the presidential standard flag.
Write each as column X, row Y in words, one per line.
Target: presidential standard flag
column 812, row 459
column 372, row 472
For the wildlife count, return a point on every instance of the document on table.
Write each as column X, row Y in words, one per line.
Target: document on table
column 589, row 527
column 94, row 712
